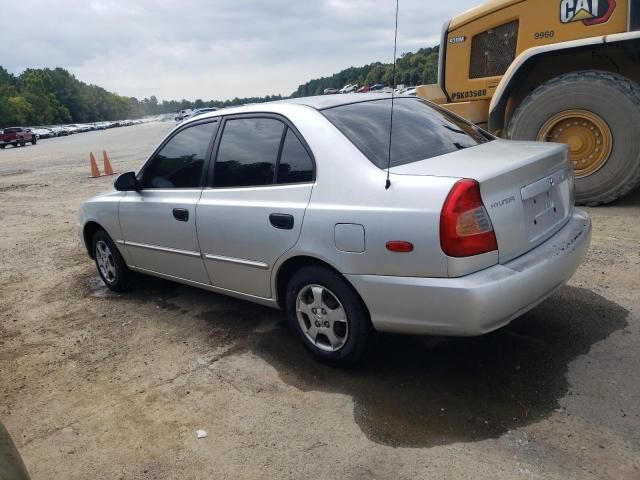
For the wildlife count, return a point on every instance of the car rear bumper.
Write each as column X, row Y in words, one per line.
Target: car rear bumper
column 483, row 301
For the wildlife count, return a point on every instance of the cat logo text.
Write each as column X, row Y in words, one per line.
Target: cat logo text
column 589, row 12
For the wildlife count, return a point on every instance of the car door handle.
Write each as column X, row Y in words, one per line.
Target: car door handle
column 282, row 221
column 181, row 214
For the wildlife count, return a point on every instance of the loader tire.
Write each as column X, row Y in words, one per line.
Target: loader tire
column 597, row 114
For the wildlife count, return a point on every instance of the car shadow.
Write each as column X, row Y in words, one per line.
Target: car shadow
column 425, row 391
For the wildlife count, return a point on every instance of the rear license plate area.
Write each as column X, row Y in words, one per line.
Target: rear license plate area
column 546, row 204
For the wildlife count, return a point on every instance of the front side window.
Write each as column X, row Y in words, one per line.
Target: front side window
column 420, row 130
column 248, row 152
column 180, row 162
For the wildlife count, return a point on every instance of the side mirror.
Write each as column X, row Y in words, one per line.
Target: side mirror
column 127, row 182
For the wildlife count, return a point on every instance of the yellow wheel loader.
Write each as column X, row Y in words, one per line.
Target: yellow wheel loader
column 552, row 70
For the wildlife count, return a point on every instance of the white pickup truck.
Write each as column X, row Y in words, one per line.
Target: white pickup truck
column 349, row 87
column 182, row 113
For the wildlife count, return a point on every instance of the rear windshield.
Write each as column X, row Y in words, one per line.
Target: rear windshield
column 420, row 130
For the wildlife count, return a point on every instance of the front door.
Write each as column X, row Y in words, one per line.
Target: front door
column 159, row 222
column 253, row 210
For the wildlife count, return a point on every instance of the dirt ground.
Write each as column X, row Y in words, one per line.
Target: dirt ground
column 95, row 385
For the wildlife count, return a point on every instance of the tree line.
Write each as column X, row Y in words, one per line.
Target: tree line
column 46, row 96
column 55, row 96
column 417, row 68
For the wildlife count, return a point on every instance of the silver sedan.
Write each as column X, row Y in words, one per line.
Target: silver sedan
column 320, row 207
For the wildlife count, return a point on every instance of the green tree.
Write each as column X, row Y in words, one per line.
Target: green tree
column 416, row 68
column 19, row 111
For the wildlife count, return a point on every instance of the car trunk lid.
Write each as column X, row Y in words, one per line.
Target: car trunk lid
column 527, row 188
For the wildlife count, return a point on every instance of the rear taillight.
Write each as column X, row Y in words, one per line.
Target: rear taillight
column 465, row 226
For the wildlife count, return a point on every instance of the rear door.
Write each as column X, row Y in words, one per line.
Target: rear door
column 159, row 222
column 251, row 213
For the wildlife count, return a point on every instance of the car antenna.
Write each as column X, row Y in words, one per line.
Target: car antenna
column 395, row 46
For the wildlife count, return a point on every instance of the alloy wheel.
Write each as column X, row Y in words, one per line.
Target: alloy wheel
column 105, row 261
column 322, row 318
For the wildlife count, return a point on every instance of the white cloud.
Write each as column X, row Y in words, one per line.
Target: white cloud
column 214, row 49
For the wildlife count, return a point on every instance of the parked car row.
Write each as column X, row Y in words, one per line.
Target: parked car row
column 186, row 114
column 348, row 88
column 375, row 88
column 20, row 136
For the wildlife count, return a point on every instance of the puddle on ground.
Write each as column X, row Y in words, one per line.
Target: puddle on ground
column 424, row 391
column 97, row 288
column 145, row 288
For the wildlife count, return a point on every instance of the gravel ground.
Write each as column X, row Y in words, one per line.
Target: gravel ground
column 95, row 385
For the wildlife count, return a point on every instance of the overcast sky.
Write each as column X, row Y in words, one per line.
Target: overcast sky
column 213, row 49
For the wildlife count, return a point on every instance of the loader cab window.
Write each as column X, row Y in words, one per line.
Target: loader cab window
column 493, row 51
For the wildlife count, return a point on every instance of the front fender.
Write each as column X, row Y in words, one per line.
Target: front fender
column 102, row 210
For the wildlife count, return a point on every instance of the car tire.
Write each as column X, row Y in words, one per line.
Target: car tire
column 329, row 316
column 23, row 142
column 2, row 147
column 34, row 140
column 111, row 266
column 606, row 101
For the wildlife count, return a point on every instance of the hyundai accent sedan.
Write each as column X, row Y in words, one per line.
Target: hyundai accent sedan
column 287, row 204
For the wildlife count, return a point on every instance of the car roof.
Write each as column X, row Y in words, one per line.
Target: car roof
column 321, row 102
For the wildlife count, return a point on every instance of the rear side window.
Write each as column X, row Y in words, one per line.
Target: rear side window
column 295, row 164
column 248, row 152
column 420, row 130
column 180, row 162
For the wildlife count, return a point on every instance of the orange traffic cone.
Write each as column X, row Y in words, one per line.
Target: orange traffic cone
column 107, row 164
column 95, row 173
